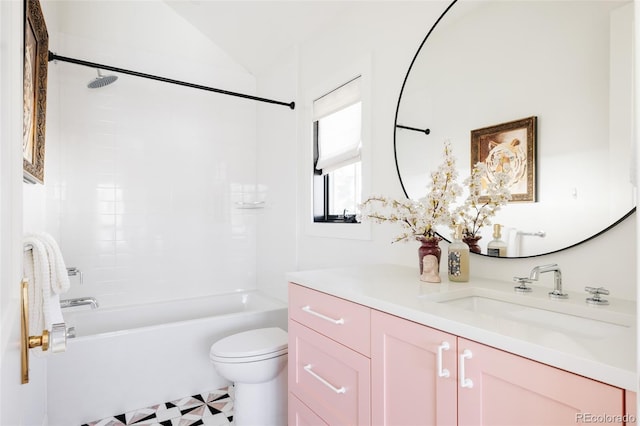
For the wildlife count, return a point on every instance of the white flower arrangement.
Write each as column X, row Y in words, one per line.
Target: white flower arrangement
column 419, row 218
column 486, row 197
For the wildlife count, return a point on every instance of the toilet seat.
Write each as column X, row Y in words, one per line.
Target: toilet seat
column 250, row 346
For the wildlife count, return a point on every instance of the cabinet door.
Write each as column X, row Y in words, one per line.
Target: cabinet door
column 630, row 407
column 405, row 382
column 510, row 390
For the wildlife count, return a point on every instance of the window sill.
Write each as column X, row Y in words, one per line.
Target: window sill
column 337, row 219
column 349, row 231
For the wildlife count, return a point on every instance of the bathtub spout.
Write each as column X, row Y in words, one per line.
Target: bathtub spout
column 80, row 301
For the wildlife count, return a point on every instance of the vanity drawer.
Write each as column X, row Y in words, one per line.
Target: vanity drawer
column 301, row 415
column 343, row 321
column 330, row 379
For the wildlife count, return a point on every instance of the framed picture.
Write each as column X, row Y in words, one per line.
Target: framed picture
column 509, row 148
column 36, row 61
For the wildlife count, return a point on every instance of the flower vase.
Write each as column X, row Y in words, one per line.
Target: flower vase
column 472, row 242
column 431, row 250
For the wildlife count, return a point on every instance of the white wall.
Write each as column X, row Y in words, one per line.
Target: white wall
column 142, row 177
column 391, row 32
column 19, row 404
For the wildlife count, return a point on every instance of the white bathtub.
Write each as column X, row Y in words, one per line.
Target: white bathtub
column 133, row 357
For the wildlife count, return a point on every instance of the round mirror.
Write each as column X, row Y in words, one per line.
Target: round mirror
column 548, row 82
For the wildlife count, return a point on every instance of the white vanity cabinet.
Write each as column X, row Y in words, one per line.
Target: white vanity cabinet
column 424, row 376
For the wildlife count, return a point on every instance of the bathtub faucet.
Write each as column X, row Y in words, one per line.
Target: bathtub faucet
column 80, row 301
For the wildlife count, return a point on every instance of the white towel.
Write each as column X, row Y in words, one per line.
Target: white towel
column 59, row 279
column 36, row 271
column 44, row 304
column 513, row 242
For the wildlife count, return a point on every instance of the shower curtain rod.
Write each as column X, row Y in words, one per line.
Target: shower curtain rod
column 425, row 131
column 55, row 57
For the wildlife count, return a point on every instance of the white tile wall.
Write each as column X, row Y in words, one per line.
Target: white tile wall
column 143, row 171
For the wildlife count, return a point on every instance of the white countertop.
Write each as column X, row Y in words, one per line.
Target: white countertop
column 397, row 290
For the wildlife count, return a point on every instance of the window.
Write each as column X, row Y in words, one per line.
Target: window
column 337, row 183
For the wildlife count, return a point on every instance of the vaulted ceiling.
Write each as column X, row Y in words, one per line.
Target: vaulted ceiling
column 255, row 33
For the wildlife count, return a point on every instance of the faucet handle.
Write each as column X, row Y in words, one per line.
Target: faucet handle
column 595, row 298
column 522, row 285
column 72, row 271
column 596, row 290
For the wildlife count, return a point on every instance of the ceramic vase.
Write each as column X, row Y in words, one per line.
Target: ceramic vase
column 472, row 242
column 429, row 247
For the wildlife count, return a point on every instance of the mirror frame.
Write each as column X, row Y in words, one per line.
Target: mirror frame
column 426, row 131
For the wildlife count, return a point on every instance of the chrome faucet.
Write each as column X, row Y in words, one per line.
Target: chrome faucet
column 80, row 301
column 557, row 279
column 72, row 271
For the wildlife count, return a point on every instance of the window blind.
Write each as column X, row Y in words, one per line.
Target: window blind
column 339, row 117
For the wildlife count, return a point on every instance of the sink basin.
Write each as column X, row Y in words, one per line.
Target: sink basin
column 552, row 320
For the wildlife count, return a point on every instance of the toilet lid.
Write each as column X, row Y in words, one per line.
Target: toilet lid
column 251, row 343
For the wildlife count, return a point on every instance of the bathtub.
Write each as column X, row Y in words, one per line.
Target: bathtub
column 133, row 357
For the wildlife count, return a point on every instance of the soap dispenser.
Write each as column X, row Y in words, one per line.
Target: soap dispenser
column 458, row 258
column 497, row 247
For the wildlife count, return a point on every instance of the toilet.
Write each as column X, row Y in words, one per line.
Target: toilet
column 256, row 362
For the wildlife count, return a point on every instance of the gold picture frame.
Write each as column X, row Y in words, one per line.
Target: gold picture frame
column 509, row 147
column 36, row 62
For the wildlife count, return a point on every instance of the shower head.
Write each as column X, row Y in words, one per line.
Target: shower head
column 101, row 81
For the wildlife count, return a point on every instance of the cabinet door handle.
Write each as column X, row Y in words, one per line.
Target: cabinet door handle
column 464, row 381
column 308, row 369
column 442, row 372
column 308, row 310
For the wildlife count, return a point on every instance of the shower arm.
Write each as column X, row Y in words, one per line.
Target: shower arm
column 56, row 57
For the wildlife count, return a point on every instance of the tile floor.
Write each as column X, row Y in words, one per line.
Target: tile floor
column 213, row 408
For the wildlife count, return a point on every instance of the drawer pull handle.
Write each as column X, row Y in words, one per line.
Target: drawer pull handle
column 442, row 372
column 308, row 369
column 464, row 381
column 308, row 310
